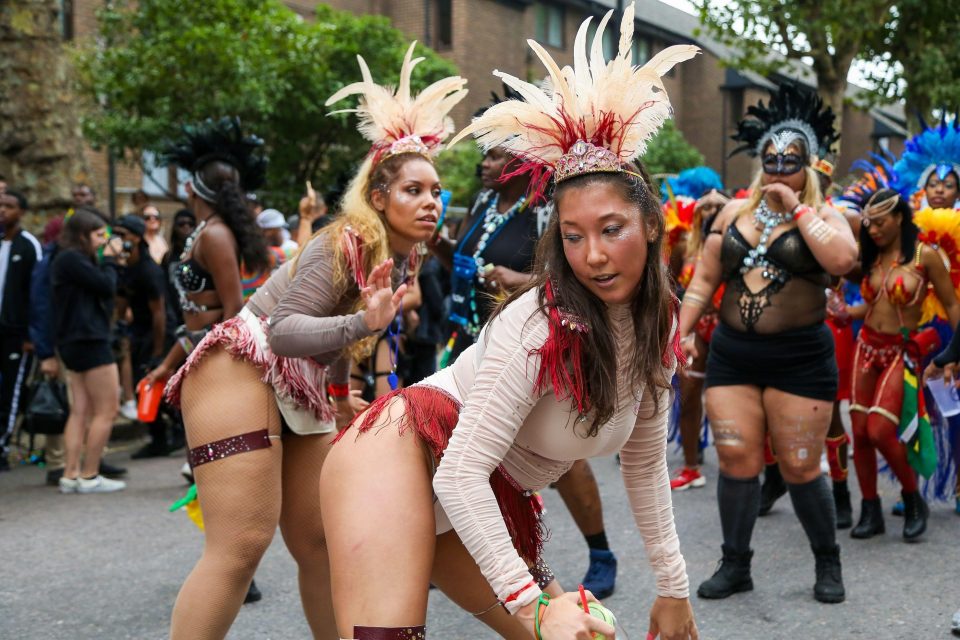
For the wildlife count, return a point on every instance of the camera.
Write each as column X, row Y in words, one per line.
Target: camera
column 127, row 246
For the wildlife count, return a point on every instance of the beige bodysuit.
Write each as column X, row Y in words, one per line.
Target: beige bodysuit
column 537, row 438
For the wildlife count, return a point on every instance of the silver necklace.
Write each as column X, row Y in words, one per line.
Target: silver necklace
column 765, row 220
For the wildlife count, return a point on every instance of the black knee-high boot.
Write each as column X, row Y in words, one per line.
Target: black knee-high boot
column 813, row 503
column 739, row 502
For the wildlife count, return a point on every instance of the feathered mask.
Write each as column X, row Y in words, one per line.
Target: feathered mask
column 932, row 150
column 593, row 117
column 396, row 122
column 793, row 114
column 219, row 140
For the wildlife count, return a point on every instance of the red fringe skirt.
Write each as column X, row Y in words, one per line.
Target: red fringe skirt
column 303, row 380
column 433, row 413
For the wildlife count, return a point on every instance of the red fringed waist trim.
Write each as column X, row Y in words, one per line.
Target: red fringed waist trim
column 432, row 414
column 303, row 380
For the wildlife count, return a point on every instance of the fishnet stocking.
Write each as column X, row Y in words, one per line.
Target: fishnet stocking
column 239, row 495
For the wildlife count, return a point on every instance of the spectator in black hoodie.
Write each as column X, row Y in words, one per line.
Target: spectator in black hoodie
column 19, row 252
column 83, row 299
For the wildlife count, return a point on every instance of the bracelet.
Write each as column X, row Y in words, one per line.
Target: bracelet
column 516, row 594
column 694, row 299
column 338, row 391
column 801, row 210
column 542, row 603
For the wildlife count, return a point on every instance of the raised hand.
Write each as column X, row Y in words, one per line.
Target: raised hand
column 381, row 300
column 781, row 195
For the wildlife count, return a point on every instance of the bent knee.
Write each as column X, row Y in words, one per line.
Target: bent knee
column 739, row 463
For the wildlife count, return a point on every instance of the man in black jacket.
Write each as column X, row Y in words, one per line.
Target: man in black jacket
column 19, row 252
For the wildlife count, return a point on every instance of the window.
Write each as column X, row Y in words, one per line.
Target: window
column 159, row 180
column 444, row 24
column 608, row 47
column 640, row 50
column 548, row 24
column 66, row 19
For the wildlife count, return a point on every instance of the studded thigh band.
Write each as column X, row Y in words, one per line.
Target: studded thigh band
column 227, row 447
column 390, row 633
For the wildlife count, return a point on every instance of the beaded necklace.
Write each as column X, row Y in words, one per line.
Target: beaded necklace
column 765, row 220
column 492, row 223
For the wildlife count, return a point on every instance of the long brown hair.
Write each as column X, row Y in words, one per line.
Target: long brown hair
column 652, row 308
column 78, row 227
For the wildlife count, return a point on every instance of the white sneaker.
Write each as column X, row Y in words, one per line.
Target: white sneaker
column 69, row 485
column 100, row 485
column 129, row 410
column 187, row 472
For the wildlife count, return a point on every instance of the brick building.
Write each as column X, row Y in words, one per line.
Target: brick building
column 482, row 35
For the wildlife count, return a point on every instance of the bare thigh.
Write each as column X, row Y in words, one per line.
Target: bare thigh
column 101, row 384
column 798, row 427
column 377, row 500
column 738, row 423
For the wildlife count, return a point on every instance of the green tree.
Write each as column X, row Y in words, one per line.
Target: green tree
column 916, row 58
column 829, row 33
column 457, row 167
column 669, row 152
column 168, row 62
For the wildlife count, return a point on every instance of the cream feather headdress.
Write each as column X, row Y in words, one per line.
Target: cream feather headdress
column 594, row 117
column 396, row 122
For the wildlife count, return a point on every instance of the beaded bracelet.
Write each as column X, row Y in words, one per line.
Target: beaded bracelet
column 542, row 603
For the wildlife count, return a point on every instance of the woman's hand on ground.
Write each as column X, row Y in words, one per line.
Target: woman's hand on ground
column 672, row 619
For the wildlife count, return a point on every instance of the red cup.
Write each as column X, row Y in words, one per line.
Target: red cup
column 148, row 399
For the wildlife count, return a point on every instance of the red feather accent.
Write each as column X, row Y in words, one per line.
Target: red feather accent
column 353, row 254
column 675, row 326
column 561, row 356
column 432, row 415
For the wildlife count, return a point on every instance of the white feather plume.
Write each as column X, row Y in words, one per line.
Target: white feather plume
column 611, row 104
column 387, row 115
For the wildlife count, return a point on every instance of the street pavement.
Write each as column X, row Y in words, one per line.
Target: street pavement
column 109, row 567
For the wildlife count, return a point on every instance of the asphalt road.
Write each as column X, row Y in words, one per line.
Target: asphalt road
column 109, row 567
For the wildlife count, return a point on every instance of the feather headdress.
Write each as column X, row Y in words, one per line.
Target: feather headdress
column 693, row 183
column 592, row 117
column 218, row 140
column 933, row 149
column 792, row 114
column 878, row 173
column 396, row 122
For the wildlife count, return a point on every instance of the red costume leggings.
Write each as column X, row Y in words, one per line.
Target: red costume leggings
column 877, row 396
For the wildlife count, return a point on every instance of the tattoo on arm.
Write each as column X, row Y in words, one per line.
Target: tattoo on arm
column 820, row 231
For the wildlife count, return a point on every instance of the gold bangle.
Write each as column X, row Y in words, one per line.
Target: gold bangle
column 694, row 300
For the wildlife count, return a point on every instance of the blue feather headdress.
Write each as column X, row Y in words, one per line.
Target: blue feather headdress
column 694, row 183
column 878, row 173
column 935, row 149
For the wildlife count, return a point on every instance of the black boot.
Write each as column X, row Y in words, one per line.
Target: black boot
column 871, row 520
column 253, row 593
column 915, row 512
column 772, row 489
column 829, row 585
column 732, row 576
column 841, row 499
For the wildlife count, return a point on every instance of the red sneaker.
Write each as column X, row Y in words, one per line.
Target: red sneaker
column 686, row 479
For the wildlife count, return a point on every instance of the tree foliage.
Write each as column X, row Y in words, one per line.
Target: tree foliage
column 829, row 34
column 161, row 63
column 457, row 167
column 669, row 152
column 916, row 57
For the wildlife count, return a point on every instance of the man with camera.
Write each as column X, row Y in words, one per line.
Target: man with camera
column 141, row 289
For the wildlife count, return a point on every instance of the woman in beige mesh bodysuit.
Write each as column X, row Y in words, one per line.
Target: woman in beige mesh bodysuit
column 575, row 364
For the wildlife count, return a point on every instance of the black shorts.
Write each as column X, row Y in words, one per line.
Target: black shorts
column 83, row 356
column 798, row 361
